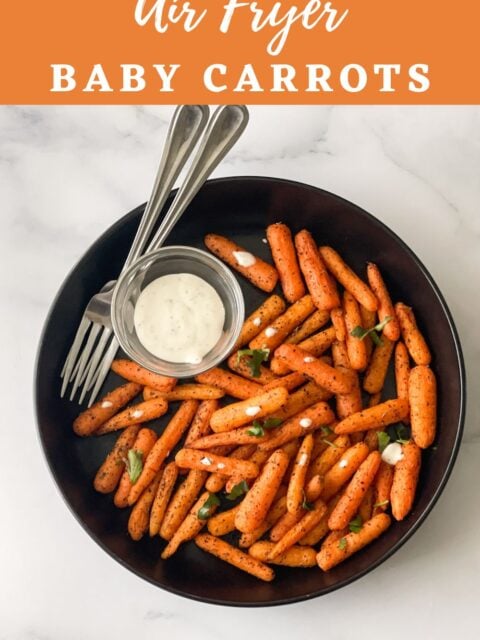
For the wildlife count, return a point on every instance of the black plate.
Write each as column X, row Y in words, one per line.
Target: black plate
column 241, row 208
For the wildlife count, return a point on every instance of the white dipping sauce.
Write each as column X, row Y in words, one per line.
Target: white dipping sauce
column 179, row 318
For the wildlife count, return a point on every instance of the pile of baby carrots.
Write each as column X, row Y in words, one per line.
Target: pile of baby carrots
column 307, row 461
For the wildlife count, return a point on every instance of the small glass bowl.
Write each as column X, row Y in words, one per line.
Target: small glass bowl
column 170, row 260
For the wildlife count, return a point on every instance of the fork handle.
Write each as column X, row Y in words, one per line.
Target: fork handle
column 223, row 130
column 187, row 124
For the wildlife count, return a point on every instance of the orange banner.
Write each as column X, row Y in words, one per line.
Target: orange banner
column 231, row 51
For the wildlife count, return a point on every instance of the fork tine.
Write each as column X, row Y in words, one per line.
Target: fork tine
column 73, row 353
column 84, row 358
column 92, row 367
column 104, row 368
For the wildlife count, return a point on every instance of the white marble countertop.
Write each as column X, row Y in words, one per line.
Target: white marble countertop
column 66, row 174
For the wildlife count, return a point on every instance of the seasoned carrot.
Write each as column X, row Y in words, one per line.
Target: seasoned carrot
column 314, row 488
column 296, row 483
column 381, row 415
column 289, row 382
column 241, row 366
column 234, row 556
column 369, row 320
column 311, row 325
column 256, row 322
column 422, row 393
column 277, row 510
column 233, row 385
column 142, row 446
column 347, row 403
column 374, row 399
column 181, row 502
column 293, row 557
column 216, row 481
column 300, row 529
column 356, row 347
column 109, row 474
column 338, row 321
column 319, row 284
column 315, row 345
column 322, row 440
column 135, row 373
column 301, row 399
column 402, row 370
column 161, row 449
column 365, row 510
column 141, row 412
column 321, row 529
column 405, row 478
column 346, row 276
column 162, row 497
column 382, row 488
column 300, row 424
column 201, row 421
column 258, row 500
column 285, row 258
column 341, row 472
column 207, row 461
column 241, row 413
column 414, row 340
column 281, row 327
column 222, row 523
column 377, row 369
column 96, row 415
column 258, row 457
column 260, row 273
column 385, row 306
column 140, row 514
column 331, row 455
column 323, row 374
column 234, row 437
column 189, row 527
column 332, row 554
column 350, row 502
column 193, row 392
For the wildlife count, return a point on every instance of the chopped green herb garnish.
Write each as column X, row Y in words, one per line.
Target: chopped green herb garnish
column 401, row 434
column 258, row 429
column 330, row 444
column 134, row 464
column 361, row 333
column 355, row 525
column 238, row 490
column 255, row 359
column 206, row 509
column 383, row 440
column 381, row 504
column 326, row 431
column 342, row 544
column 308, row 506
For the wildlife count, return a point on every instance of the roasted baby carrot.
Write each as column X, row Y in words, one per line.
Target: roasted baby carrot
column 135, row 373
column 181, row 502
column 216, row 481
column 422, row 393
column 414, row 340
column 381, row 415
column 377, row 369
column 277, row 510
column 315, row 345
column 285, row 258
column 332, row 454
column 293, row 557
column 161, row 449
column 300, row 529
column 319, row 284
column 385, row 306
column 258, row 500
column 405, row 478
column 142, row 446
column 241, row 365
column 234, row 556
column 338, row 321
column 281, row 327
column 332, row 554
column 365, row 510
column 323, row 374
column 99, row 413
column 356, row 347
column 296, row 484
column 402, row 370
column 346, row 403
column 140, row 514
column 222, row 523
column 348, row 278
column 241, row 413
column 341, row 472
column 300, row 424
column 309, row 326
column 193, row 392
column 256, row 322
column 235, row 437
column 207, row 461
column 162, row 497
column 260, row 273
column 233, row 385
column 109, row 474
column 201, row 421
column 301, row 399
column 382, row 487
column 350, row 501
column 289, row 382
column 141, row 412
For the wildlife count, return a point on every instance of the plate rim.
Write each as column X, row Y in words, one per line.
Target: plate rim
column 431, row 503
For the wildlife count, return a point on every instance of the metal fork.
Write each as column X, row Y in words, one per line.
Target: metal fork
column 224, row 129
column 186, row 126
